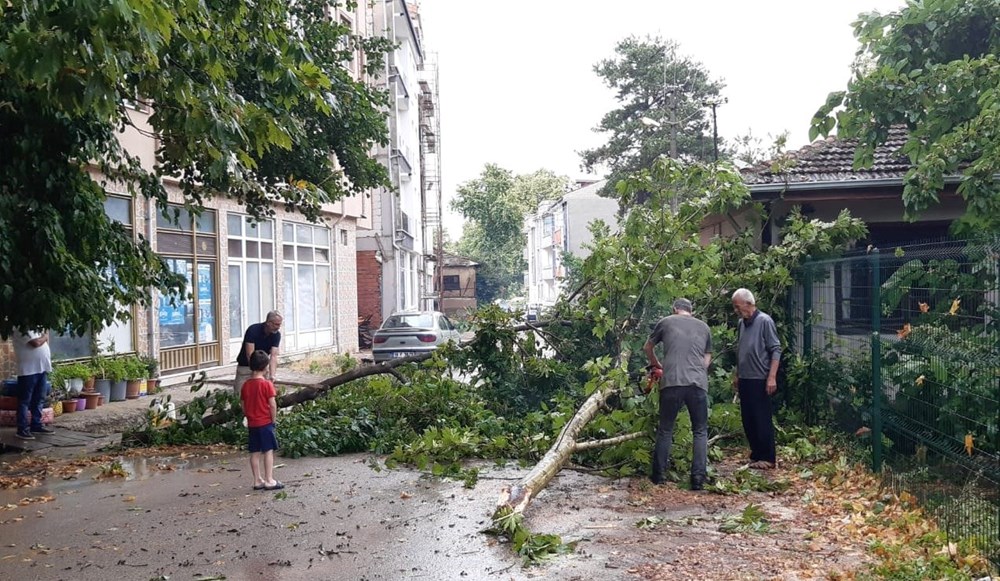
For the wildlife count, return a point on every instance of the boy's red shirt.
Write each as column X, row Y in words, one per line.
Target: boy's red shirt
column 255, row 395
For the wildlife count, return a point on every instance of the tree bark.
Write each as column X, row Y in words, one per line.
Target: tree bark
column 518, row 497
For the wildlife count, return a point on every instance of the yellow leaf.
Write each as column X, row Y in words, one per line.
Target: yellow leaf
column 924, row 307
column 968, row 444
column 906, row 330
column 954, row 306
column 920, row 380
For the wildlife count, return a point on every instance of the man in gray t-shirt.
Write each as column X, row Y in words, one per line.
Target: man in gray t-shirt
column 683, row 376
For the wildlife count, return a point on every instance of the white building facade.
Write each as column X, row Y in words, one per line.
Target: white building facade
column 559, row 227
column 394, row 250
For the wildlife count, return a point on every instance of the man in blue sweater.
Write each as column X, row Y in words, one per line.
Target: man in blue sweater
column 756, row 377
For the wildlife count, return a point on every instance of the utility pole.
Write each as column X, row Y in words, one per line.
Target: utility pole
column 714, row 103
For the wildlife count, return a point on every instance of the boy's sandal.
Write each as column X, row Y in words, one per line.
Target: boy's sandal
column 277, row 486
column 762, row 465
column 259, row 486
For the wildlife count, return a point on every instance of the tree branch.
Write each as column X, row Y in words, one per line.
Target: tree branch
column 591, row 444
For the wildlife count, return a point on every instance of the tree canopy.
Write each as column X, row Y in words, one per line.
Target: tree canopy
column 245, row 104
column 495, row 205
column 650, row 78
column 933, row 67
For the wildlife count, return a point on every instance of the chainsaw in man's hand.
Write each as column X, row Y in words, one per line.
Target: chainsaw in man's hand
column 653, row 375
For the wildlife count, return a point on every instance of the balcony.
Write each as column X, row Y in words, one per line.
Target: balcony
column 401, row 92
column 402, row 164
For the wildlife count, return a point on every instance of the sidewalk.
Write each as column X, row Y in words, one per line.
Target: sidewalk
column 88, row 430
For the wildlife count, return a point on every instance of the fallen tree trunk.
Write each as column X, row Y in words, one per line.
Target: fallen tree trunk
column 517, row 497
column 311, row 392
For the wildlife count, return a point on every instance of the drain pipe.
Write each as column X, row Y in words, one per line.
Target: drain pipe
column 389, row 26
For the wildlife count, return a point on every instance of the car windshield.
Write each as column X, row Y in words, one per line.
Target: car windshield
column 424, row 320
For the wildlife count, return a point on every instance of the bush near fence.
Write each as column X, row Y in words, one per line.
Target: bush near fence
column 901, row 346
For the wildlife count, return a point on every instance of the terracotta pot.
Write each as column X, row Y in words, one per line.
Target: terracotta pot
column 92, row 400
column 132, row 388
column 151, row 386
column 88, row 384
column 69, row 406
column 100, row 399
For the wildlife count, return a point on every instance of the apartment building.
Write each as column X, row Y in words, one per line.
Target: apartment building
column 557, row 227
column 396, row 241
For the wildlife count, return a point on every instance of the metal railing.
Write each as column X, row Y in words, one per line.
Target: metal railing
column 901, row 347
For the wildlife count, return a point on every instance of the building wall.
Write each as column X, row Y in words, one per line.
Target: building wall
column 397, row 230
column 369, row 285
column 457, row 303
column 580, row 212
column 557, row 227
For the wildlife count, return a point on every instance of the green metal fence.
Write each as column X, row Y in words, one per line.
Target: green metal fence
column 901, row 347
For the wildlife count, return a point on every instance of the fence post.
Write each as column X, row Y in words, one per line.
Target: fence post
column 807, row 308
column 809, row 397
column 876, row 346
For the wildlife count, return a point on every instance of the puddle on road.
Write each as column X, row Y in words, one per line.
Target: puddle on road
column 136, row 469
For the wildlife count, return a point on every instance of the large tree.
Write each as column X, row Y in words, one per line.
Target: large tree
column 240, row 109
column 933, row 67
column 662, row 97
column 494, row 206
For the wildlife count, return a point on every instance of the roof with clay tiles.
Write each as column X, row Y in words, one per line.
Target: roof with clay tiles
column 832, row 160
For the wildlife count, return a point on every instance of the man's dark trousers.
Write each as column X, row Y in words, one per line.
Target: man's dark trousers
column 672, row 399
column 30, row 397
column 755, row 409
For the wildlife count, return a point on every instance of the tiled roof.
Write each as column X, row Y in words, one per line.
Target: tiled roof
column 453, row 260
column 832, row 160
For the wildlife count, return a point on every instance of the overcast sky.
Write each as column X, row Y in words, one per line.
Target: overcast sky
column 517, row 85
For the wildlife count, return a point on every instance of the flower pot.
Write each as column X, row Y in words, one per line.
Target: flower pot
column 103, row 387
column 100, row 400
column 88, row 383
column 132, row 388
column 74, row 385
column 69, row 406
column 92, row 399
column 118, row 390
column 151, row 386
column 81, row 403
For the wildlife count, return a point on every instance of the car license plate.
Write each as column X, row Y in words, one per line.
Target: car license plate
column 396, row 354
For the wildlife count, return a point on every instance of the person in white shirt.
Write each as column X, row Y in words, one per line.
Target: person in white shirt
column 34, row 362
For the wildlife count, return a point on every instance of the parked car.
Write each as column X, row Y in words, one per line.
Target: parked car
column 412, row 333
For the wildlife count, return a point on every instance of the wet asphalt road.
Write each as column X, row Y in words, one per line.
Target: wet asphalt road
column 337, row 519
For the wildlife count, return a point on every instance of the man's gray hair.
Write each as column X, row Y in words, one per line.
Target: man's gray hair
column 744, row 295
column 272, row 315
column 683, row 305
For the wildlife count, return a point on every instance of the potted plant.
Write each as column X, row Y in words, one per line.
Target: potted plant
column 99, row 364
column 135, row 376
column 75, row 375
column 69, row 403
column 152, row 373
column 54, row 401
column 117, row 371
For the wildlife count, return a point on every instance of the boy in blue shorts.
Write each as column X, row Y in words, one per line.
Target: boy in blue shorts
column 260, row 409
